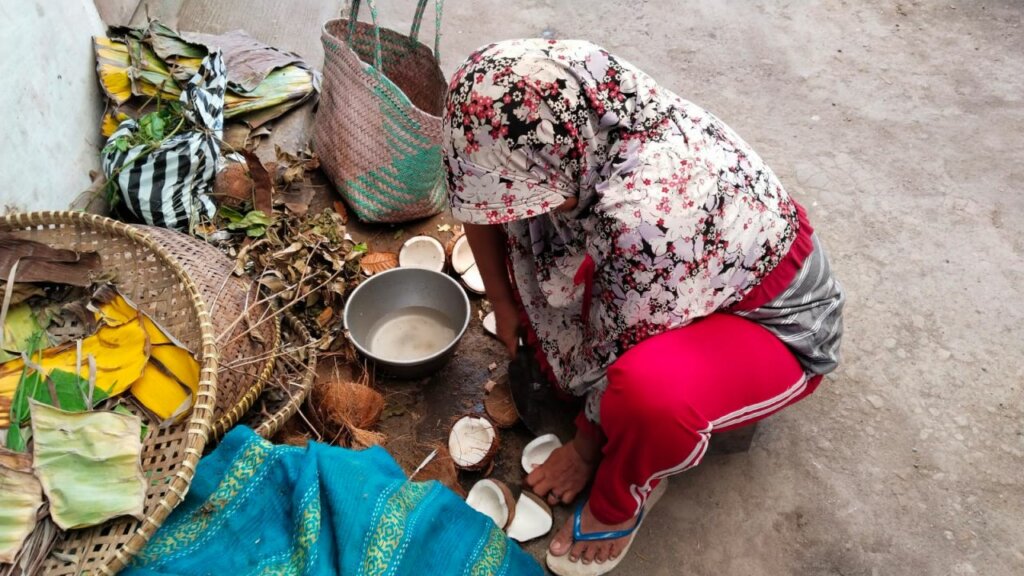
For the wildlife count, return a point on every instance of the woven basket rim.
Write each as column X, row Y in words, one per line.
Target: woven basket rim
column 199, row 421
column 367, row 79
column 273, row 422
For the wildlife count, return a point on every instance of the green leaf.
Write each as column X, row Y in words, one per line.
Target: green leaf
column 360, row 248
column 256, row 231
column 19, row 328
column 121, row 144
column 230, row 214
column 257, row 217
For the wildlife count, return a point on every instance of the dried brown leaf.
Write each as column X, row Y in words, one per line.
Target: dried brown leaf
column 42, row 263
column 263, row 187
column 374, row 262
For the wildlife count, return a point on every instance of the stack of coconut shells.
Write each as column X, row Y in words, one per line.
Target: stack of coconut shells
column 473, row 443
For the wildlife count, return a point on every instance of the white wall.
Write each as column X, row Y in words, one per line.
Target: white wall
column 50, row 102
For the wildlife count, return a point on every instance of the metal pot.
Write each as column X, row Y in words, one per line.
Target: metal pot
column 399, row 288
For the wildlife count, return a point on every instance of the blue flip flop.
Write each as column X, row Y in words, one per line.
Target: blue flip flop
column 564, row 566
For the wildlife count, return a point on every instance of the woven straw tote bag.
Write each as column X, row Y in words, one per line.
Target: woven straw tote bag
column 378, row 128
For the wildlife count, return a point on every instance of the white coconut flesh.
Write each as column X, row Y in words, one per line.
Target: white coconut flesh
column 422, row 252
column 464, row 264
column 494, row 500
column 491, row 324
column 532, row 519
column 462, row 256
column 471, row 441
column 539, row 450
column 473, row 280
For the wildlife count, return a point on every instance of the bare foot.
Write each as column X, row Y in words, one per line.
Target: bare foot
column 587, row 552
column 567, row 471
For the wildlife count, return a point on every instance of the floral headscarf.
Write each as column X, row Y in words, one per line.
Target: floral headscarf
column 676, row 217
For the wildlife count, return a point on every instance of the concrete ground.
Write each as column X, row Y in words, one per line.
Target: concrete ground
column 900, row 126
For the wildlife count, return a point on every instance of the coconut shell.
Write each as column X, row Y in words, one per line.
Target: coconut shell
column 375, row 262
column 449, row 246
column 233, row 186
column 506, row 495
column 349, row 404
column 499, row 405
column 486, row 463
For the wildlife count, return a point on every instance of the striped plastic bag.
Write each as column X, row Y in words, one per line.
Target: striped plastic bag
column 167, row 186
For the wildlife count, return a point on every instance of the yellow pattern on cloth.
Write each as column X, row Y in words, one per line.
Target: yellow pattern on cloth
column 238, row 477
column 492, row 556
column 387, row 536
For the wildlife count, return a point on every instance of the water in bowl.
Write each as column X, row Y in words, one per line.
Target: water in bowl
column 410, row 333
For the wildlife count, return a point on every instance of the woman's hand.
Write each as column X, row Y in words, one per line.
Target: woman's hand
column 567, row 471
column 489, row 250
column 506, row 318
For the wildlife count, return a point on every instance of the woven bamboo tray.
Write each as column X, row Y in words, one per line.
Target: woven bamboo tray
column 248, row 330
column 154, row 280
column 294, row 373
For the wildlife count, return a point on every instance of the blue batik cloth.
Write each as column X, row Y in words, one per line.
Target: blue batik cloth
column 259, row 508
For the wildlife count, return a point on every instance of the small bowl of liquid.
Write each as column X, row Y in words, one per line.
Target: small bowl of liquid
column 407, row 320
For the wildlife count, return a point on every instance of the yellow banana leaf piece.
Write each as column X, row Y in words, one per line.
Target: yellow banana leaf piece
column 281, row 85
column 112, row 64
column 120, row 353
column 111, row 120
column 169, row 382
column 88, row 464
column 21, row 496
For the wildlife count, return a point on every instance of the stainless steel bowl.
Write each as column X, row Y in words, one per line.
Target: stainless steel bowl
column 399, row 288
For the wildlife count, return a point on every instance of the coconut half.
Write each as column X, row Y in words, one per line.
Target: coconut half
column 539, row 450
column 491, row 324
column 464, row 264
column 462, row 255
column 532, row 518
column 422, row 252
column 493, row 499
column 473, row 442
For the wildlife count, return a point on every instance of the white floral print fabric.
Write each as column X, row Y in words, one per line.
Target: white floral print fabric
column 677, row 216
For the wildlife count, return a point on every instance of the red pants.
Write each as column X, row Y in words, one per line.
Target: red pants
column 669, row 393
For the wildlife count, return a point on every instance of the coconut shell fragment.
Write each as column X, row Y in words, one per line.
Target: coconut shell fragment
column 499, row 405
column 422, row 252
column 538, row 451
column 532, row 518
column 493, row 499
column 472, row 443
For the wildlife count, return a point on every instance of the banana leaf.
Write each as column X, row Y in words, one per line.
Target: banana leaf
column 88, row 464
column 21, row 496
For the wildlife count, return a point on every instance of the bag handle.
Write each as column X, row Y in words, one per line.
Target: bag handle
column 353, row 17
column 418, row 19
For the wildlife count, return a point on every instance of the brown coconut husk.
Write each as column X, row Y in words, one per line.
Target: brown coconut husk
column 233, row 186
column 344, row 403
column 365, row 438
column 499, row 405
